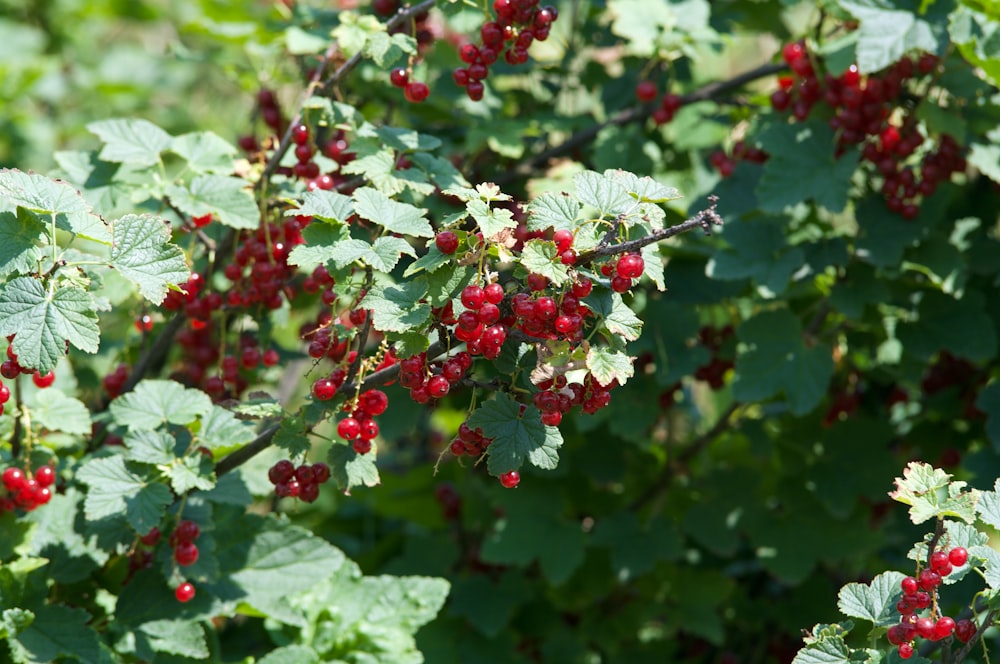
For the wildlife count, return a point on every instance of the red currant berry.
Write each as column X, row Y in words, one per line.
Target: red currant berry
column 369, row 429
column 944, row 627
column 281, row 472
column 938, row 559
column 493, row 293
column 324, row 389
column 416, row 91
column 362, row 446
column 630, row 266
column 929, row 579
column 320, row 472
column 645, row 91
column 151, row 538
column 909, row 586
column 438, row 386
column 958, row 556
column 184, row 592
column 398, row 77
column 187, row 531
column 14, row 479
column 446, row 242
column 510, row 479
column 43, row 381
column 563, row 239
column 186, row 553
column 905, row 650
column 348, row 428
column 965, row 629
column 300, row 134
column 45, row 476
column 4, row 393
column 473, row 297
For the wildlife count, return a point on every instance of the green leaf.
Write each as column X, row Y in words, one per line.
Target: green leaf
column 291, row 655
column 291, row 436
column 350, row 469
column 759, row 250
column 491, row 221
column 228, row 198
column 992, row 564
column 517, row 436
column 20, row 242
column 195, row 471
column 176, row 637
column 156, row 402
column 386, row 49
column 802, row 166
column 430, row 261
column 405, row 139
column 55, row 411
column 930, row 494
column 325, row 205
column 541, row 257
column 44, row 320
column 397, row 307
column 55, row 631
column 886, row 35
column 115, row 489
column 988, row 507
column 635, row 548
column 205, row 152
column 776, row 360
column 556, row 210
column 131, row 141
column 41, row 195
column 320, row 239
column 617, row 317
column 220, row 429
column 828, row 651
column 143, row 254
column 987, row 159
column 961, row 326
column 602, row 192
column 152, row 447
column 395, row 217
column 607, row 365
column 382, row 256
column 875, row 601
column 644, row 188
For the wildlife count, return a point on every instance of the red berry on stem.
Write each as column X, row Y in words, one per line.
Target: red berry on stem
column 510, row 479
column 324, row 389
column 398, row 77
column 416, row 91
column 184, row 592
column 43, row 381
column 446, row 242
column 493, row 293
column 300, row 134
column 909, row 586
column 45, row 476
column 958, row 556
column 645, row 91
column 348, row 428
column 186, row 553
column 187, row 531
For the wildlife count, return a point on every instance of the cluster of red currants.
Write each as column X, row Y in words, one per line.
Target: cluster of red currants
column 670, row 103
column 431, row 382
column 300, row 482
column 469, row 442
column 863, row 112
column 624, row 271
column 726, row 164
column 518, row 23
column 359, row 428
column 545, row 316
column 24, row 491
column 919, row 593
column 714, row 373
column 557, row 397
column 413, row 91
column 11, row 369
column 182, row 541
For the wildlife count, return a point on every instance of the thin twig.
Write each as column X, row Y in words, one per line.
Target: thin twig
column 635, row 114
column 704, row 219
column 688, row 453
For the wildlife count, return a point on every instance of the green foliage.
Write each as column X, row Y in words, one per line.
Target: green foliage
column 738, row 411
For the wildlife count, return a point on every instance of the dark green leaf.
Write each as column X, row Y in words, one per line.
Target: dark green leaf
column 350, row 469
column 517, row 437
column 943, row 323
column 115, row 489
column 55, row 631
column 803, row 166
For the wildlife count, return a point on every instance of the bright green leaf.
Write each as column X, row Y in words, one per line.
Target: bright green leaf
column 131, row 141
column 875, row 601
column 931, row 493
column 44, row 320
column 517, row 437
column 541, row 257
column 395, row 217
column 205, row 152
column 115, row 489
column 350, row 469
column 228, row 198
column 142, row 252
column 156, row 402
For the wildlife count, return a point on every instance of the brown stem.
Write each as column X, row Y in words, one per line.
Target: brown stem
column 704, row 219
column 635, row 114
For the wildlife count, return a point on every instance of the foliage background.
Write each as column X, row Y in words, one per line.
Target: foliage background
column 693, row 527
